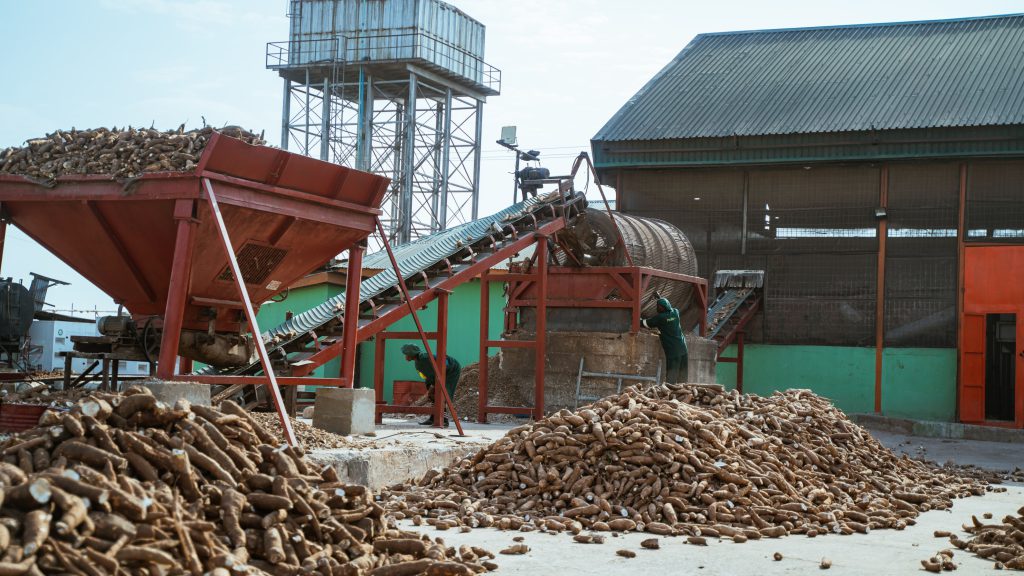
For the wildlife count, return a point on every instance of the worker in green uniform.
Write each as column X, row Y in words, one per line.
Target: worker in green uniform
column 425, row 367
column 666, row 321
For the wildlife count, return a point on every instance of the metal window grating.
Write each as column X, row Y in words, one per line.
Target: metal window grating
column 256, row 262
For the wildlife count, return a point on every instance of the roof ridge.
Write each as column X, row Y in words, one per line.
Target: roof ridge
column 864, row 25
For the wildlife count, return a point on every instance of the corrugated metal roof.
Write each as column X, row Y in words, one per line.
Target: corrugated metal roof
column 943, row 73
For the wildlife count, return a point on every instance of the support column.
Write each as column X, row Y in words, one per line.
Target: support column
column 485, row 317
column 378, row 375
column 441, row 377
column 307, row 128
column 286, row 114
column 961, row 234
column 446, row 140
column 540, row 340
column 476, row 158
column 181, row 268
column 350, row 329
column 361, row 131
column 405, row 205
column 325, row 122
column 883, row 231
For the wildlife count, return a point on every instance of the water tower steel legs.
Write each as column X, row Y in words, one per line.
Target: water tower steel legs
column 286, row 113
column 325, row 122
column 405, row 206
column 476, row 159
column 419, row 129
column 446, row 148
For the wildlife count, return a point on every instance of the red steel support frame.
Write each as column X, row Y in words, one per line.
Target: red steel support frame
column 379, row 324
column 441, row 366
column 350, row 330
column 485, row 335
column 438, row 363
column 638, row 279
column 250, row 315
column 539, row 343
column 541, row 338
column 177, row 292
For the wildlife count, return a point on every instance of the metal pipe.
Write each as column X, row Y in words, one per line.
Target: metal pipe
column 286, row 114
column 360, row 125
column 415, row 317
column 250, row 315
column 408, row 169
column 325, row 121
column 305, row 149
column 476, row 158
column 446, row 143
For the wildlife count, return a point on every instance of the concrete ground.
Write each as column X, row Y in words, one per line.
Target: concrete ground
column 880, row 552
column 402, row 449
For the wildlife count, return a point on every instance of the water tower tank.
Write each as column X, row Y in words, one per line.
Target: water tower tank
column 430, row 32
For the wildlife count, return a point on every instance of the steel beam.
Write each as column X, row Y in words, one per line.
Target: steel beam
column 485, row 340
column 883, row 228
column 541, row 338
column 177, row 292
column 250, row 315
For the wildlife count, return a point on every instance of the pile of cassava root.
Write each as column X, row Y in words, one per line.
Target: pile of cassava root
column 1002, row 543
column 685, row 460
column 117, row 153
column 125, row 485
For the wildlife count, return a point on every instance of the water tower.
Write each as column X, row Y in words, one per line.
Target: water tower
column 394, row 87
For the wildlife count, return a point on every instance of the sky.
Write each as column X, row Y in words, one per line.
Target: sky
column 567, row 67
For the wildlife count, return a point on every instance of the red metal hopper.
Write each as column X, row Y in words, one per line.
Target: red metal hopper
column 155, row 243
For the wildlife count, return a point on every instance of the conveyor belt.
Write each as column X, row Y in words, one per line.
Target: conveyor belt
column 724, row 307
column 413, row 259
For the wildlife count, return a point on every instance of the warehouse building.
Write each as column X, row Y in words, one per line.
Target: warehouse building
column 876, row 173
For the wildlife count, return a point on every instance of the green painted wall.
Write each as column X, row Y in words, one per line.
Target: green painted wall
column 299, row 300
column 463, row 334
column 917, row 383
column 463, row 329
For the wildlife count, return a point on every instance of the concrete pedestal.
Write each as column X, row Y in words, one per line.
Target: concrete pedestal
column 703, row 358
column 171, row 392
column 344, row 410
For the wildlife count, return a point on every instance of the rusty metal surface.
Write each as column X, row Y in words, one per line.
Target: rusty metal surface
column 413, row 258
column 650, row 242
column 305, row 209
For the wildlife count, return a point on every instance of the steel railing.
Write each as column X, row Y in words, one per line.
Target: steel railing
column 382, row 48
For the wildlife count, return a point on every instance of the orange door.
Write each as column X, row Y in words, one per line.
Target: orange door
column 993, row 286
column 972, row 368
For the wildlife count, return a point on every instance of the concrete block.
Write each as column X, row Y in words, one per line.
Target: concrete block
column 171, row 392
column 344, row 410
column 703, row 359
